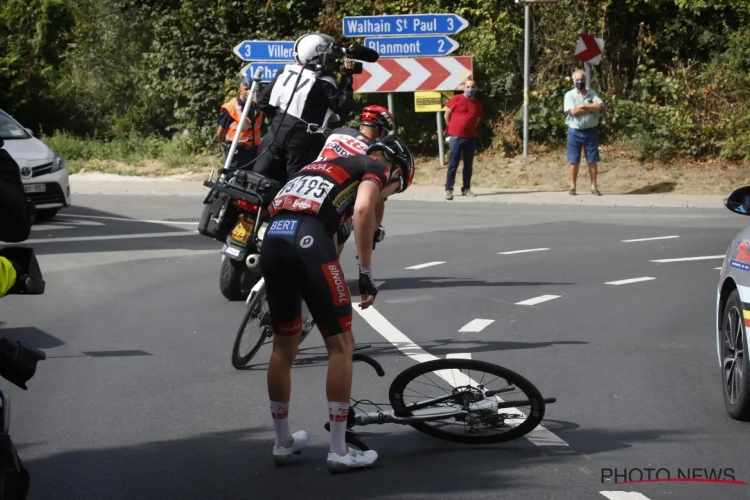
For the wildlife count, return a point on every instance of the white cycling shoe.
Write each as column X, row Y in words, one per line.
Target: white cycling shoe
column 354, row 459
column 282, row 456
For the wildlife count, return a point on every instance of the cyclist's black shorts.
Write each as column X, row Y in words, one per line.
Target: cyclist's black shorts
column 298, row 261
column 344, row 232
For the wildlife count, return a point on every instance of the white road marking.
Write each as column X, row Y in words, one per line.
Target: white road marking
column 631, row 280
column 651, row 239
column 540, row 436
column 623, row 495
column 476, row 325
column 523, row 251
column 459, row 355
column 537, row 300
column 112, row 237
column 684, row 259
column 49, row 227
column 64, row 224
column 68, row 261
column 717, row 268
column 422, row 266
column 124, row 219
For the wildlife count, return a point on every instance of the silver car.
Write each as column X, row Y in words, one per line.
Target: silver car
column 43, row 171
column 733, row 314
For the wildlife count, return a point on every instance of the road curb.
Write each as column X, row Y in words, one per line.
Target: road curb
column 117, row 186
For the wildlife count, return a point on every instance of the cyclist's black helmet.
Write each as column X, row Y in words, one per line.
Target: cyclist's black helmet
column 398, row 152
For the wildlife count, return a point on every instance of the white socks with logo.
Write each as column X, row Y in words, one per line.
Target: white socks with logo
column 280, row 414
column 337, row 415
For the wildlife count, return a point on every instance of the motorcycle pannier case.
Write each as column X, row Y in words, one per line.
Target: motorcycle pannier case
column 210, row 223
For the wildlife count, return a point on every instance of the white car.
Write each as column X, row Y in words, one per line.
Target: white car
column 43, row 171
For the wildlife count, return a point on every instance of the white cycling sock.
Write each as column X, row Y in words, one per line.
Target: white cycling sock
column 337, row 416
column 280, row 415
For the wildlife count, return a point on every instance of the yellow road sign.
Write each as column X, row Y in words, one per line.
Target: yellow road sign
column 431, row 101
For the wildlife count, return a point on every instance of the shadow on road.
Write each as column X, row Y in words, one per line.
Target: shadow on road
column 237, row 464
column 412, row 283
column 317, row 356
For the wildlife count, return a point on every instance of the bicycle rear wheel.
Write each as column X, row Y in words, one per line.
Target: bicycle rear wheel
column 254, row 329
column 473, row 386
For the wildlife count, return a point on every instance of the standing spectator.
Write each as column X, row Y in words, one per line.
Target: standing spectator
column 462, row 118
column 582, row 107
column 229, row 119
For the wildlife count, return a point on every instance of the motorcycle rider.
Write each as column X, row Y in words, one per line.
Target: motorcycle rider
column 375, row 122
column 301, row 98
column 16, row 215
column 298, row 259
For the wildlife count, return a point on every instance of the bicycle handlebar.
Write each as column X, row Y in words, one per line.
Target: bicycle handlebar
column 358, row 356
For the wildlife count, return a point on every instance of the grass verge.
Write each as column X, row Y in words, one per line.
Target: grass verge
column 546, row 170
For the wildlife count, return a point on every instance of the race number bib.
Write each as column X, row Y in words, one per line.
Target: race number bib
column 302, row 194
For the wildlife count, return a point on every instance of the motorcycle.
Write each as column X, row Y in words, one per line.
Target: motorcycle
column 235, row 212
column 17, row 365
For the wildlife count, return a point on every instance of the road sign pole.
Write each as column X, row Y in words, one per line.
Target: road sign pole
column 441, row 139
column 526, row 56
column 391, row 106
column 251, row 96
column 588, row 74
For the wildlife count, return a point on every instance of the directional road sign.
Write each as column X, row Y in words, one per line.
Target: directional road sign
column 413, row 74
column 406, row 24
column 419, row 46
column 269, row 69
column 589, row 49
column 264, row 50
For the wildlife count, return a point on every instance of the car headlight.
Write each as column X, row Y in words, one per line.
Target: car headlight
column 58, row 163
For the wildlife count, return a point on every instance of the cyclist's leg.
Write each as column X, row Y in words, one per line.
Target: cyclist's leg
column 281, row 270
column 325, row 290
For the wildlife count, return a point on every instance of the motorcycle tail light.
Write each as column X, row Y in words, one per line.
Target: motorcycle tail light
column 246, row 206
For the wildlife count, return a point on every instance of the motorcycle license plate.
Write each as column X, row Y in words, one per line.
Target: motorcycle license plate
column 241, row 231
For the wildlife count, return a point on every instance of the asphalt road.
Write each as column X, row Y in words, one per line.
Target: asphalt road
column 138, row 399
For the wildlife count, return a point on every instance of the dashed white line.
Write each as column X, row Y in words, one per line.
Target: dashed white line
column 651, row 239
column 459, row 355
column 523, row 251
column 112, row 237
column 685, row 259
column 540, row 436
column 537, row 300
column 125, row 219
column 631, row 280
column 476, row 325
column 422, row 266
column 623, row 495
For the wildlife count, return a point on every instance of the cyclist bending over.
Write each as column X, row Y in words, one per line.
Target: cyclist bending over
column 375, row 122
column 298, row 260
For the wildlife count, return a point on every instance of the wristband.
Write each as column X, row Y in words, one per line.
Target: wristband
column 365, row 269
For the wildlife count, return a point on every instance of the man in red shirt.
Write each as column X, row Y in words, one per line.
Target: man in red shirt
column 462, row 116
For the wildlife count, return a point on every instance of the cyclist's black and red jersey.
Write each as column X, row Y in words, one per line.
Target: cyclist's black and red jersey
column 327, row 189
column 298, row 258
column 344, row 141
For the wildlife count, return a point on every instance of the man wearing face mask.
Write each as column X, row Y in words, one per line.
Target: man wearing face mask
column 582, row 107
column 462, row 116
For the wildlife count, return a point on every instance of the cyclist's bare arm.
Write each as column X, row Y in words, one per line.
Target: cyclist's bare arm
column 379, row 212
column 365, row 220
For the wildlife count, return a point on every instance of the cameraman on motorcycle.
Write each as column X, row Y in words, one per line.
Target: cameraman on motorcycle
column 16, row 214
column 301, row 98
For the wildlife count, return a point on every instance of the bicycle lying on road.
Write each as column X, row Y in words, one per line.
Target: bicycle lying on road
column 469, row 406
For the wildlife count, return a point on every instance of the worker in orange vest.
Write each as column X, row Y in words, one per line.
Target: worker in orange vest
column 229, row 119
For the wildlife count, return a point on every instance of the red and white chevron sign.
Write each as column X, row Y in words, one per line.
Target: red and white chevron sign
column 412, row 74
